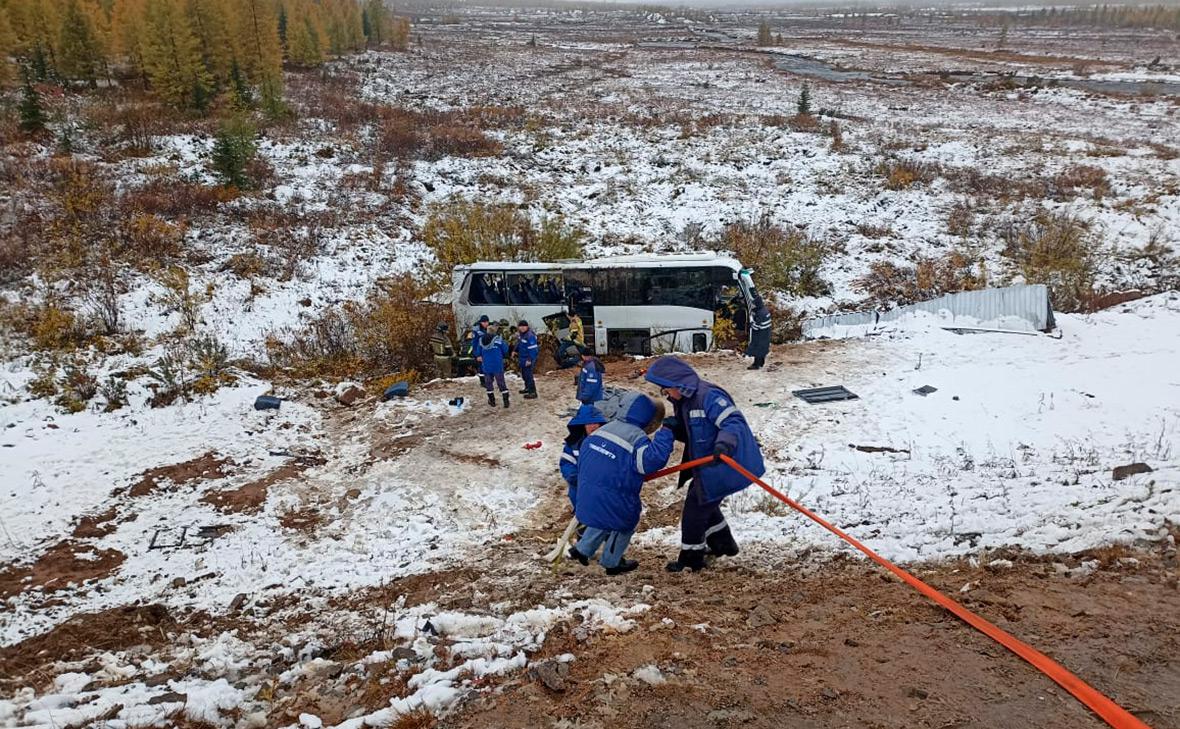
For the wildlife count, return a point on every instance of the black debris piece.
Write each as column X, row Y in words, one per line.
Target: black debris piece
column 816, row 395
column 925, row 390
column 267, row 402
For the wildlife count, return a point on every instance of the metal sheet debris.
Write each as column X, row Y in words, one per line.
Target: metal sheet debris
column 817, row 395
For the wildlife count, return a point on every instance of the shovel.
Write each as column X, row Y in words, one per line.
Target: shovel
column 555, row 554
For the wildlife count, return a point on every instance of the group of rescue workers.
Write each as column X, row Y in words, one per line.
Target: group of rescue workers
column 617, row 438
column 607, row 458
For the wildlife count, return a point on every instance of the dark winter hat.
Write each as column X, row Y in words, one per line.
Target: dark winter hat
column 522, row 323
column 442, row 326
column 484, row 319
column 487, row 339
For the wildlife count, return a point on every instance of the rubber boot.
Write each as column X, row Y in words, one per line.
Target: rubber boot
column 689, row 559
column 530, row 395
column 525, row 391
column 623, row 567
column 491, row 399
column 722, row 543
column 575, row 554
column 505, row 394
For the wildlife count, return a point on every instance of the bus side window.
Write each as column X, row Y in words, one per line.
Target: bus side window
column 690, row 287
column 487, row 288
column 535, row 288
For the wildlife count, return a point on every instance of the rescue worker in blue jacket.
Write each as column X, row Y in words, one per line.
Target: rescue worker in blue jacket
column 493, row 349
column 590, row 378
column 759, row 333
column 585, row 421
column 707, row 421
column 612, row 464
column 478, row 329
column 526, row 357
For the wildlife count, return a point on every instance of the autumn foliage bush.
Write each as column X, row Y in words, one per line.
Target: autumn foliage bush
column 1060, row 250
column 383, row 334
column 462, row 232
column 784, row 259
column 888, row 284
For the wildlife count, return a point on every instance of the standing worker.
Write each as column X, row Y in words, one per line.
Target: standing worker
column 759, row 334
column 479, row 329
column 444, row 350
column 611, row 467
column 590, row 378
column 709, row 424
column 493, row 349
column 526, row 356
column 577, row 332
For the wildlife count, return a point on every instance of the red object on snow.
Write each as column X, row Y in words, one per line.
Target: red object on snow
column 532, row 446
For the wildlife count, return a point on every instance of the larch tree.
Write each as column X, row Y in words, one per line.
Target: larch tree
column 210, row 23
column 261, row 55
column 172, row 56
column 128, row 21
column 79, row 53
column 36, row 24
column 7, row 48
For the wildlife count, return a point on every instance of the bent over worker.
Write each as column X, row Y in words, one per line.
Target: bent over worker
column 707, row 421
column 612, row 464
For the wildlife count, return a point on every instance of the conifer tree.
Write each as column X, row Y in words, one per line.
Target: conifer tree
column 210, row 24
column 233, row 149
column 172, row 56
column 764, row 38
column 7, row 48
column 32, row 119
column 128, row 21
column 79, row 56
column 803, row 105
column 261, row 54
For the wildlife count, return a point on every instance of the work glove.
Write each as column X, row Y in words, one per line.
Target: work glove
column 721, row 449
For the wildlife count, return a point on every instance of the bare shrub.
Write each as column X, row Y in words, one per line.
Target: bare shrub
column 114, row 392
column 960, row 219
column 383, row 334
column 1060, row 250
column 403, row 134
column 103, row 295
column 176, row 199
column 874, row 230
column 901, row 174
column 76, row 388
column 462, row 232
column 1078, row 178
column 784, row 259
column 180, row 297
column 888, row 284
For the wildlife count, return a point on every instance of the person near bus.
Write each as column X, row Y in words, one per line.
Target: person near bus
column 590, row 378
column 577, row 332
column 479, row 329
column 706, row 420
column 444, row 350
column 526, row 357
column 493, row 349
column 613, row 462
column 759, row 333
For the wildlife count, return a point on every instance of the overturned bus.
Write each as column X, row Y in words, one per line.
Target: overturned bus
column 627, row 304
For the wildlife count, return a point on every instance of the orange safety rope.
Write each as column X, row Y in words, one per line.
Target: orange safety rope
column 1110, row 712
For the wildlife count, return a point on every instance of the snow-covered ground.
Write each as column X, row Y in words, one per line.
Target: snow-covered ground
column 638, row 147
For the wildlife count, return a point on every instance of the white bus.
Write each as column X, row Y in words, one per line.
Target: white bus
column 628, row 304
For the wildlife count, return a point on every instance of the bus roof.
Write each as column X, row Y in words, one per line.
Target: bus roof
column 691, row 260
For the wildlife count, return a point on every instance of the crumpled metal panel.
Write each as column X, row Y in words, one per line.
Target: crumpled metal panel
column 1023, row 307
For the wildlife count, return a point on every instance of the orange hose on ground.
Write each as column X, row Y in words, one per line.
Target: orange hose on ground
column 1113, row 714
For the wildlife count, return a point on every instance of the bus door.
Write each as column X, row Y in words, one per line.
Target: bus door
column 579, row 292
